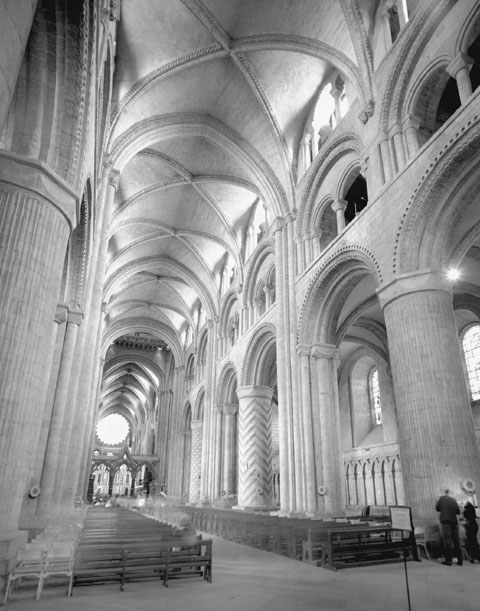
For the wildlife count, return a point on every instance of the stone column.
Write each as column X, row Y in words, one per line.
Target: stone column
column 229, row 454
column 218, row 449
column 310, row 485
column 339, row 208
column 386, row 158
column 208, row 454
column 37, row 212
column 402, row 12
column 307, row 152
column 254, row 446
column 459, row 69
column 60, row 423
column 15, row 24
column 196, row 461
column 398, row 146
column 86, row 395
column 327, row 360
column 410, row 129
column 286, row 460
column 436, row 428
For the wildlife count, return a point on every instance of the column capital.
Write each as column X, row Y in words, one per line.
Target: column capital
column 462, row 60
column 304, row 350
column 230, row 409
column 340, row 204
column 325, row 351
column 61, row 314
column 279, row 224
column 38, row 179
column 261, row 392
column 411, row 121
column 219, row 408
column 196, row 425
column 426, row 280
column 114, row 178
column 75, row 317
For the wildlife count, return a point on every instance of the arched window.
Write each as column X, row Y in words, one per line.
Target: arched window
column 376, row 405
column 471, row 349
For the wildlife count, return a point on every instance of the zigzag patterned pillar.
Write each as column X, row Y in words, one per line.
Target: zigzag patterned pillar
column 255, row 446
column 196, row 461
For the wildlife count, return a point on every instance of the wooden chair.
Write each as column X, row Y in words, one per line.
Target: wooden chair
column 30, row 564
column 60, row 561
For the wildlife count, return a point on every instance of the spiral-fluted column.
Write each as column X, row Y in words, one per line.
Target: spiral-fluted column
column 327, row 390
column 436, row 428
column 255, row 446
column 195, row 461
column 36, row 215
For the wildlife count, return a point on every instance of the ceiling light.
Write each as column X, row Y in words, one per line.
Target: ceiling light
column 453, row 274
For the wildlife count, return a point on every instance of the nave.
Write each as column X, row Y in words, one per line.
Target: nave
column 249, row 579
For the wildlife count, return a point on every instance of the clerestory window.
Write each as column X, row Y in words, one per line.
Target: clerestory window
column 471, row 350
column 376, row 405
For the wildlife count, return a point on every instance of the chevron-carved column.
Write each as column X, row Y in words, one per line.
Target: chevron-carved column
column 196, row 461
column 255, row 446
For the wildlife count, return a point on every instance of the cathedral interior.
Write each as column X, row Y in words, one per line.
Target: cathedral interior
column 248, row 233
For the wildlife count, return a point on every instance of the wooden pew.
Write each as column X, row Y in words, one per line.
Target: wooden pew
column 189, row 560
column 364, row 545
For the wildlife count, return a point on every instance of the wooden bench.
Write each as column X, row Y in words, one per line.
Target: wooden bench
column 314, row 543
column 189, row 560
column 140, row 560
column 97, row 564
column 358, row 546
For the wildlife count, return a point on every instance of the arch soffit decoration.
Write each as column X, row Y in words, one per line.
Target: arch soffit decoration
column 254, row 266
column 152, row 130
column 428, row 205
column 415, row 89
column 309, row 187
column 228, row 301
column 163, row 332
column 257, row 352
column 334, row 272
column 353, row 318
column 417, row 35
column 226, row 379
column 468, row 302
column 197, row 413
column 376, row 357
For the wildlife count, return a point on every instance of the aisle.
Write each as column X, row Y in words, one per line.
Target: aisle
column 248, row 579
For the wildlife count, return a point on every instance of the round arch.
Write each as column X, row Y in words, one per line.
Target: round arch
column 328, row 290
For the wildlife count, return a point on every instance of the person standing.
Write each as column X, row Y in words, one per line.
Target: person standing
column 449, row 511
column 471, row 530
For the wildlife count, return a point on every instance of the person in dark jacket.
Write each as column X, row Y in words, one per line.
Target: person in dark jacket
column 449, row 511
column 471, row 531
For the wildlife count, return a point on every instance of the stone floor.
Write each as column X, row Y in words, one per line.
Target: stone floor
column 247, row 579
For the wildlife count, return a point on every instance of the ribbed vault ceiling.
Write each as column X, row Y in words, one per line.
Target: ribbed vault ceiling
column 210, row 102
